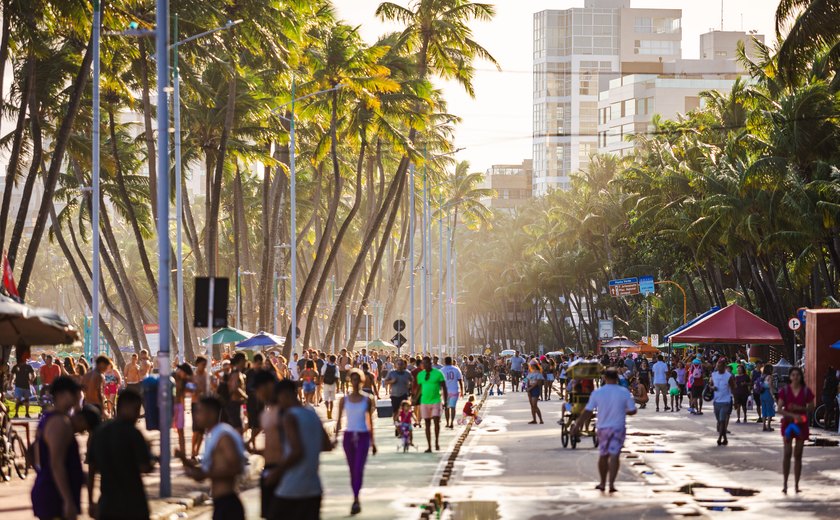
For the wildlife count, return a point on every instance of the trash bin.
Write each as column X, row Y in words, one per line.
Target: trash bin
column 150, row 405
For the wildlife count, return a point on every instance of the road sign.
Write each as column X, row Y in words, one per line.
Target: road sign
column 399, row 325
column 399, row 340
column 605, row 329
column 794, row 324
column 800, row 313
column 624, row 287
column 647, row 285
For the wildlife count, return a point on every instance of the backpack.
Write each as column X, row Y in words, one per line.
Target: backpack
column 329, row 375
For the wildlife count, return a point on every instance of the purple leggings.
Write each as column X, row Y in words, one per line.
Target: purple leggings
column 356, row 446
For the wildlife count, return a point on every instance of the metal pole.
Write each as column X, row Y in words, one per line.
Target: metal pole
column 179, row 204
column 424, row 296
column 97, row 23
column 411, row 210
column 455, row 297
column 449, row 284
column 293, row 219
column 441, row 290
column 164, row 390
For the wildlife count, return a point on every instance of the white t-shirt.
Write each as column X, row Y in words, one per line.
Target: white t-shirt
column 672, row 382
column 452, row 374
column 612, row 402
column 660, row 373
column 723, row 394
column 293, row 368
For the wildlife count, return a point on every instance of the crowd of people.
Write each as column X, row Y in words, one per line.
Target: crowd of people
column 233, row 400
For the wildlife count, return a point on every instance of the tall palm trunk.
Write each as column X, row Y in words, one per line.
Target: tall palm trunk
column 212, row 224
column 148, row 135
column 374, row 270
column 339, row 237
column 80, row 280
column 129, row 206
column 17, row 144
column 34, row 167
column 62, row 137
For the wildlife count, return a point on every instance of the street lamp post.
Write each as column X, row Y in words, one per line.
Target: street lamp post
column 293, row 197
column 441, row 289
column 164, row 369
column 411, row 219
column 97, row 25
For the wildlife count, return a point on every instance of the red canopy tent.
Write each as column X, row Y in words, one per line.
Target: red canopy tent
column 732, row 324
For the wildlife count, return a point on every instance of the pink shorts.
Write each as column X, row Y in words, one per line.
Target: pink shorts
column 610, row 441
column 427, row 411
column 178, row 416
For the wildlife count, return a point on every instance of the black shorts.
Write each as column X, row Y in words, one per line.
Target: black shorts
column 195, row 427
column 297, row 508
column 266, row 492
column 515, row 374
column 397, row 401
column 697, row 391
column 253, row 409
column 228, row 507
column 234, row 414
column 342, row 375
column 682, row 389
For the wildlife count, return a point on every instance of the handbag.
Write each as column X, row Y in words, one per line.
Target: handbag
column 708, row 393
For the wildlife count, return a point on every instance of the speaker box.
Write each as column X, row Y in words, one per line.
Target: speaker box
column 202, row 302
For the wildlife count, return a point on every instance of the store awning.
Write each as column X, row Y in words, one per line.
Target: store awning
column 692, row 322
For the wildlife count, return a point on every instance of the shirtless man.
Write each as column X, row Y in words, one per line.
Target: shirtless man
column 263, row 384
column 145, row 364
column 343, row 361
column 93, row 382
column 223, row 461
column 203, row 381
column 238, row 395
column 131, row 374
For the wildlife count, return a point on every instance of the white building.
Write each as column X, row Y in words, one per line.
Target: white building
column 576, row 53
column 629, row 104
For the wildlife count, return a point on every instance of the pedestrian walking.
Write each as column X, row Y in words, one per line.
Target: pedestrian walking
column 660, row 381
column 237, row 393
column 223, row 460
column 431, row 384
column 24, row 376
column 329, row 379
column 613, row 404
column 768, row 401
column 183, row 383
column 399, row 380
column 121, row 455
column 203, row 382
column 723, row 385
column 796, row 402
column 265, row 390
column 454, row 388
column 358, row 434
column 298, row 490
column 131, row 374
column 93, row 383
column 534, row 384
column 57, row 491
column 741, row 393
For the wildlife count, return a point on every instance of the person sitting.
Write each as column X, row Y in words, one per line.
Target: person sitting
column 469, row 412
column 405, row 417
column 640, row 394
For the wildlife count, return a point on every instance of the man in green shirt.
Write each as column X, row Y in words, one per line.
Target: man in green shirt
column 430, row 385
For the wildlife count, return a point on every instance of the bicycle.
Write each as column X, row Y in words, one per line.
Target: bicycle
column 819, row 418
column 12, row 449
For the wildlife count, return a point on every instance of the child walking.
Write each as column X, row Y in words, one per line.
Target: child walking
column 674, row 391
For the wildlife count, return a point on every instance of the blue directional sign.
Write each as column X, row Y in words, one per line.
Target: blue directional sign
column 646, row 285
column 624, row 287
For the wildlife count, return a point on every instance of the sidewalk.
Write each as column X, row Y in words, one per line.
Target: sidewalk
column 394, row 482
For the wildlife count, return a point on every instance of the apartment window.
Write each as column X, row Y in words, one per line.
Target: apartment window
column 613, row 135
column 656, row 25
column 584, row 151
column 604, row 115
column 615, row 110
column 655, row 47
column 644, row 106
column 602, row 139
column 588, row 117
column 629, row 107
column 626, row 130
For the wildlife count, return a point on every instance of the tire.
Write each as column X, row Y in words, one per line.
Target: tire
column 18, row 456
column 819, row 416
column 595, row 439
column 564, row 436
column 574, row 441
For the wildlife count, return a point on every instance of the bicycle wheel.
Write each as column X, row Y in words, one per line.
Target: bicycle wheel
column 564, row 435
column 17, row 455
column 819, row 416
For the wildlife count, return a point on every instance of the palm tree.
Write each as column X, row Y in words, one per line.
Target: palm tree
column 811, row 28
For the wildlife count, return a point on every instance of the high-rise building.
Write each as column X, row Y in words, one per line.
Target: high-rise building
column 576, row 53
column 512, row 184
column 627, row 107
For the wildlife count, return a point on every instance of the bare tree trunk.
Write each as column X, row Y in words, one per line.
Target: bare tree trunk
column 148, row 135
column 212, row 225
column 62, row 137
column 17, row 142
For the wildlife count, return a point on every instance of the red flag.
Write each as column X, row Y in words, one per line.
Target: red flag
column 9, row 279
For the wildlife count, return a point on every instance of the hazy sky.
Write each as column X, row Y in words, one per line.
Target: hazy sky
column 496, row 127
